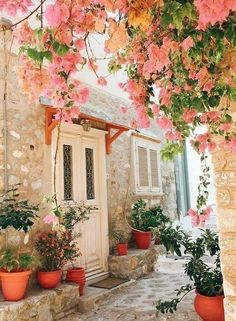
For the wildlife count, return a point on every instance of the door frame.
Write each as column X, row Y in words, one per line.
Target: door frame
column 74, row 130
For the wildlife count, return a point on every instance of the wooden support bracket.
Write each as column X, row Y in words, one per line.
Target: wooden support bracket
column 110, row 138
column 50, row 124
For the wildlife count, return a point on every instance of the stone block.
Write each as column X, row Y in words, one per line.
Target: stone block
column 42, row 305
column 226, row 220
column 136, row 264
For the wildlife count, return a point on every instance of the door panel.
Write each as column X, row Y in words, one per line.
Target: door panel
column 81, row 176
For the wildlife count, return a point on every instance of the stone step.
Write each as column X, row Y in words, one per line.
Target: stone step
column 42, row 305
column 93, row 296
column 55, row 304
column 136, row 264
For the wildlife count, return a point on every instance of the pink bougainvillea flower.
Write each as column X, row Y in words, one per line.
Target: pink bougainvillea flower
column 173, row 135
column 208, row 85
column 232, row 144
column 225, row 127
column 189, row 115
column 102, row 81
column 79, row 44
column 49, row 219
column 213, row 11
column 74, row 112
column 187, row 43
column 12, row 7
column 156, row 109
column 56, row 13
column 164, row 122
column 192, row 212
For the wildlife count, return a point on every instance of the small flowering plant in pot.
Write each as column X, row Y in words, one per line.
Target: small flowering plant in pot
column 56, row 248
column 144, row 220
column 207, row 280
column 121, row 241
column 64, row 221
column 16, row 266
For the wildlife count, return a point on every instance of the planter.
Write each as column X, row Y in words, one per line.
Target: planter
column 77, row 275
column 142, row 239
column 209, row 308
column 122, row 248
column 14, row 284
column 49, row 280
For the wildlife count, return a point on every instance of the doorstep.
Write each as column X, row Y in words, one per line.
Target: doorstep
column 55, row 304
column 93, row 296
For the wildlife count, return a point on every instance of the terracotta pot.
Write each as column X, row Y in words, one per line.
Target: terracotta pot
column 77, row 275
column 122, row 248
column 142, row 239
column 14, row 284
column 49, row 280
column 209, row 308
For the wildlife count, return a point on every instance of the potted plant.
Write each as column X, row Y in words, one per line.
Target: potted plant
column 15, row 266
column 69, row 219
column 144, row 220
column 121, row 242
column 15, row 270
column 207, row 280
column 55, row 248
column 66, row 249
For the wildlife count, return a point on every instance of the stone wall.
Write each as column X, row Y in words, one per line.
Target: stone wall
column 224, row 163
column 119, row 164
column 29, row 160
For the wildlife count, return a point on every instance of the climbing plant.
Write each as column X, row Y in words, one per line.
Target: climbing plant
column 176, row 54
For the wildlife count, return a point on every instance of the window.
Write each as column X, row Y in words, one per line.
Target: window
column 146, row 161
column 68, row 173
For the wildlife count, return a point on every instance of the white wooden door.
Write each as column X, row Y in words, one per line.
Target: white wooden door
column 82, row 176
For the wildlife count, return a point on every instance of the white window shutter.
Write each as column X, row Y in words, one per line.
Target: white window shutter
column 155, row 184
column 142, row 167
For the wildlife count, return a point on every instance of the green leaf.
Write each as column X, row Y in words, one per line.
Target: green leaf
column 62, row 50
column 166, row 20
column 214, row 101
column 48, row 55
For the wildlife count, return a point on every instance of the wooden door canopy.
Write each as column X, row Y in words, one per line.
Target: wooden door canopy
column 111, row 136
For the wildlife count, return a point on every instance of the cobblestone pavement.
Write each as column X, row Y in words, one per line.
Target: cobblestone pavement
column 138, row 302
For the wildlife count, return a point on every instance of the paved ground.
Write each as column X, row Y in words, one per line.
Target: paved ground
column 137, row 302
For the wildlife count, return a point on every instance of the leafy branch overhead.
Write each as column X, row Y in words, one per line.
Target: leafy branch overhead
column 181, row 49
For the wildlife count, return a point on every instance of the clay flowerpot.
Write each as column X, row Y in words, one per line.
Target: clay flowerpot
column 14, row 284
column 122, row 248
column 209, row 308
column 49, row 280
column 77, row 275
column 142, row 239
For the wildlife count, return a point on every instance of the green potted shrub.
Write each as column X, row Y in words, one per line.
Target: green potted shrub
column 55, row 247
column 121, row 241
column 16, row 266
column 144, row 220
column 207, row 280
column 15, row 270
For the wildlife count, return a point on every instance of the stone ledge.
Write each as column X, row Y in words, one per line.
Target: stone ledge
column 136, row 264
column 42, row 305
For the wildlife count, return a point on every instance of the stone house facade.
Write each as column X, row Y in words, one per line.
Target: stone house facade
column 84, row 170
